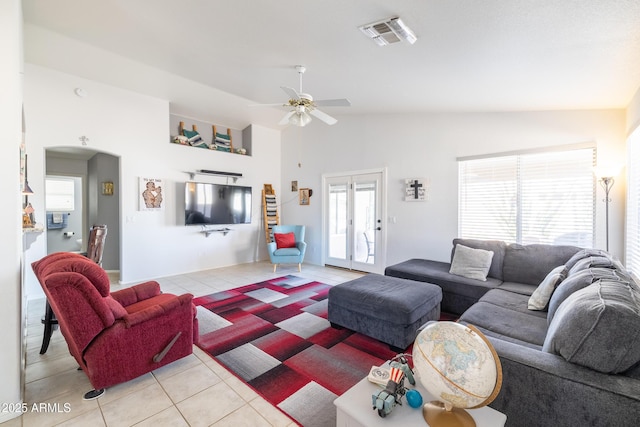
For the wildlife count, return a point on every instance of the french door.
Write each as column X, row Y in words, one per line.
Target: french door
column 353, row 230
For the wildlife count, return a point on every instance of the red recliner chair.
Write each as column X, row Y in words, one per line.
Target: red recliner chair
column 117, row 336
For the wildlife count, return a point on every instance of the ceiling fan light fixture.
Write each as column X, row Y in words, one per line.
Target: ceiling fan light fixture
column 300, row 119
column 302, row 106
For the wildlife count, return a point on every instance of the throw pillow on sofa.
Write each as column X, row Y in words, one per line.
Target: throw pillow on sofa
column 498, row 247
column 471, row 263
column 540, row 297
column 598, row 327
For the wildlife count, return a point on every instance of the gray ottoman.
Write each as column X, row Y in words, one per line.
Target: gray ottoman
column 388, row 309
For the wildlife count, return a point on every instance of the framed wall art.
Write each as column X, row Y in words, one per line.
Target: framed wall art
column 151, row 197
column 305, row 196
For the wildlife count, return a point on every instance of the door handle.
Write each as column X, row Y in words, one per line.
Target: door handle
column 378, row 228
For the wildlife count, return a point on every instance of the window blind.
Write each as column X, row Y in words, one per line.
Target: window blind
column 632, row 244
column 541, row 197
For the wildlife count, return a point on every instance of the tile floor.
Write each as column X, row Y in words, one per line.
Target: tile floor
column 193, row 391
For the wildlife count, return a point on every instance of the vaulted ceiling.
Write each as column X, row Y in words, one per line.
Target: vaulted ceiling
column 490, row 55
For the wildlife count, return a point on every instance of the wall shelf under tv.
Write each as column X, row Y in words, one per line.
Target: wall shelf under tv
column 209, row 231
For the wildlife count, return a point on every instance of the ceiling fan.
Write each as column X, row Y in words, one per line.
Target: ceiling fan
column 303, row 106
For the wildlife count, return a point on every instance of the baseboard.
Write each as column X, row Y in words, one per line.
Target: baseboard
column 8, row 413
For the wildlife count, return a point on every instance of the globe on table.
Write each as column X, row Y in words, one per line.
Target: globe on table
column 458, row 366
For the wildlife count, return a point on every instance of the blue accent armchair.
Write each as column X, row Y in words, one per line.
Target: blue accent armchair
column 288, row 255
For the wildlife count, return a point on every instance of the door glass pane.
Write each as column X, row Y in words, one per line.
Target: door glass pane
column 337, row 221
column 364, row 221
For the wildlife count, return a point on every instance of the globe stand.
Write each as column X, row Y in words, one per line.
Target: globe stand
column 441, row 414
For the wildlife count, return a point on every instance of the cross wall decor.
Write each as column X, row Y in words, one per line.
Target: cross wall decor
column 415, row 190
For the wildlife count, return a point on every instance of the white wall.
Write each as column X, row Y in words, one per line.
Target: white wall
column 10, row 216
column 136, row 128
column 633, row 113
column 427, row 145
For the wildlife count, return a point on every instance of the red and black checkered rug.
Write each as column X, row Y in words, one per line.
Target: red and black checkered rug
column 275, row 336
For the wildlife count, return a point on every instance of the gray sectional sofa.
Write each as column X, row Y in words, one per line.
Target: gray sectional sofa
column 575, row 362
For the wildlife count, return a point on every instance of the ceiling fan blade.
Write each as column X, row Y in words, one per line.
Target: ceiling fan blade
column 285, row 119
column 280, row 104
column 290, row 92
column 323, row 116
column 343, row 102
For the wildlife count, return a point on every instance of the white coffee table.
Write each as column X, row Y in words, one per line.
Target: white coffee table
column 354, row 409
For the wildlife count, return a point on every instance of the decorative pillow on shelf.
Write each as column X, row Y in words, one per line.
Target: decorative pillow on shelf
column 194, row 138
column 540, row 297
column 285, row 240
column 471, row 263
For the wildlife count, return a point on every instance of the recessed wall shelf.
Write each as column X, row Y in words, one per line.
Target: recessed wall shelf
column 208, row 231
column 190, row 132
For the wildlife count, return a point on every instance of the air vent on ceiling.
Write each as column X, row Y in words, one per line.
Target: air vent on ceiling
column 388, row 31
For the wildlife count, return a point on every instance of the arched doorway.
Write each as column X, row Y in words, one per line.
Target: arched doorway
column 92, row 182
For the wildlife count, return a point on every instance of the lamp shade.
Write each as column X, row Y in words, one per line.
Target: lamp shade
column 26, row 190
column 300, row 119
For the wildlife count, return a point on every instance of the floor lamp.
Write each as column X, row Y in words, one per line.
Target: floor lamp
column 607, row 182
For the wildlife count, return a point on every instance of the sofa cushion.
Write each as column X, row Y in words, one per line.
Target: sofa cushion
column 598, row 327
column 540, row 298
column 576, row 282
column 585, row 253
column 518, row 288
column 512, row 301
column 498, row 248
column 531, row 263
column 504, row 321
column 459, row 293
column 594, row 261
column 471, row 263
column 287, row 252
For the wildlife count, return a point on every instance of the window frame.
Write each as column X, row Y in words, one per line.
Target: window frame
column 632, row 220
column 511, row 167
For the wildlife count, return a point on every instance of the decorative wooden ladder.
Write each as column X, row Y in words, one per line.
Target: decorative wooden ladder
column 270, row 211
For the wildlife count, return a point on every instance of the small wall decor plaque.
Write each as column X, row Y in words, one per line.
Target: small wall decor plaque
column 107, row 188
column 415, row 189
column 150, row 190
column 305, row 196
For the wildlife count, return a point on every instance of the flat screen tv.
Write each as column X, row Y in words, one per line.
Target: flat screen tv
column 207, row 203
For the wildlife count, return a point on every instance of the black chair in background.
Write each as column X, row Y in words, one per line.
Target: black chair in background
column 95, row 249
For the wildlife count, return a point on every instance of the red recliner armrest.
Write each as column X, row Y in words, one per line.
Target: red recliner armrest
column 137, row 293
column 157, row 310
